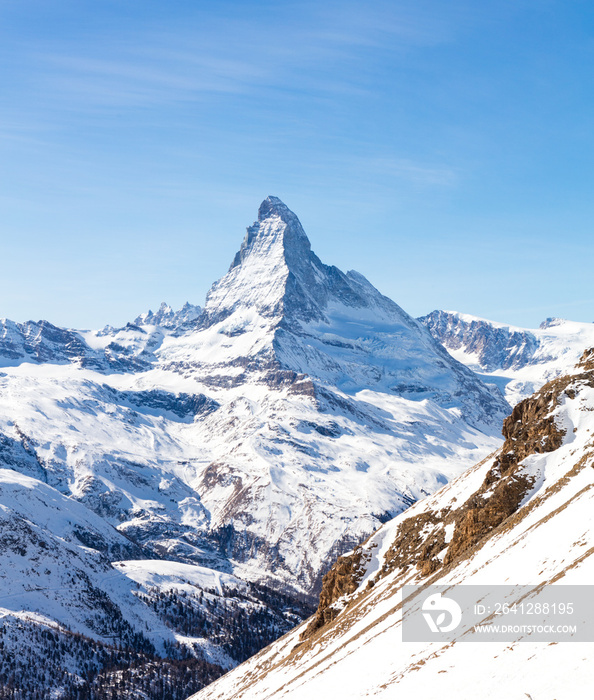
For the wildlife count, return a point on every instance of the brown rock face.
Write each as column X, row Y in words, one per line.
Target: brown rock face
column 529, row 429
column 480, row 515
column 412, row 547
column 342, row 579
column 587, row 360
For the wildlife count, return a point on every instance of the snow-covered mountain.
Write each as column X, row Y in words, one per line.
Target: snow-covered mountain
column 518, row 360
column 282, row 305
column 258, row 439
column 523, row 518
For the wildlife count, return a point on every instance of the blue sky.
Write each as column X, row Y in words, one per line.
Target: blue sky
column 443, row 149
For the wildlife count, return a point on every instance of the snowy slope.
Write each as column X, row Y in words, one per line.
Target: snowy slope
column 48, row 569
column 518, row 360
column 58, row 574
column 522, row 517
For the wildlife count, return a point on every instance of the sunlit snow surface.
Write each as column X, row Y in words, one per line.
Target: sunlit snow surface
column 262, row 435
column 148, row 475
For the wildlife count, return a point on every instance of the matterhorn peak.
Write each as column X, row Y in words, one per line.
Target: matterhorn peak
column 276, row 233
column 273, row 206
column 276, row 274
column 274, row 254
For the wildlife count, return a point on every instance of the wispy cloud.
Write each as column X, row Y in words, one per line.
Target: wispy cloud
column 317, row 51
column 386, row 25
column 416, row 172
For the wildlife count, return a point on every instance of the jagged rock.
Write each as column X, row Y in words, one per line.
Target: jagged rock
column 517, row 360
column 166, row 317
column 587, row 359
column 495, row 346
column 342, row 579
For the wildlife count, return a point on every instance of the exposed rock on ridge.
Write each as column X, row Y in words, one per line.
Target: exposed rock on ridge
column 518, row 360
column 166, row 317
column 496, row 346
column 420, row 542
column 276, row 273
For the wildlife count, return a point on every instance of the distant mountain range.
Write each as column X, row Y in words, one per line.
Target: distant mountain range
column 518, row 360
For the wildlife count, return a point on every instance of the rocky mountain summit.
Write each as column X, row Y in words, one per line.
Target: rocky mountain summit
column 292, row 375
column 522, row 517
column 286, row 311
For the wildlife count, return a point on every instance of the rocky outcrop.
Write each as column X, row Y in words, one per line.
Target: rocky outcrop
column 530, row 429
column 412, row 546
column 587, row 360
column 165, row 403
column 495, row 346
column 342, row 579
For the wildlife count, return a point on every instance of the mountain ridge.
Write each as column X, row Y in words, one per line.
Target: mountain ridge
column 518, row 360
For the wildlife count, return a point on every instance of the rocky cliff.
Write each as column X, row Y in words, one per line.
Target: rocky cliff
column 517, row 360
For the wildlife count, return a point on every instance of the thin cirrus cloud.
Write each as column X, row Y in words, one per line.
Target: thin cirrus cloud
column 382, row 173
column 453, row 121
column 128, row 81
column 326, row 54
column 386, row 27
column 419, row 173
